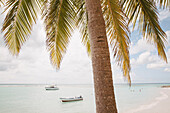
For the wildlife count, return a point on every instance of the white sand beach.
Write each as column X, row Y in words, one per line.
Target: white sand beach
column 158, row 105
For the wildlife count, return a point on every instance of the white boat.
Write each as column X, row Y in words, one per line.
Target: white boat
column 52, row 87
column 71, row 99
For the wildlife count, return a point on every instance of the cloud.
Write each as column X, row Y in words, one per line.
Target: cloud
column 156, row 65
column 164, row 14
column 143, row 58
column 151, row 61
column 159, row 63
column 33, row 63
column 141, row 46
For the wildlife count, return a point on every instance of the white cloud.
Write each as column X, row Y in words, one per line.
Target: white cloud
column 164, row 14
column 143, row 58
column 141, row 46
column 156, row 65
column 151, row 61
column 159, row 63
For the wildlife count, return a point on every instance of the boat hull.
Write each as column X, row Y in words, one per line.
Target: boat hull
column 52, row 88
column 71, row 100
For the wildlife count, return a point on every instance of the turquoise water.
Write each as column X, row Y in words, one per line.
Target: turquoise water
column 129, row 98
column 35, row 99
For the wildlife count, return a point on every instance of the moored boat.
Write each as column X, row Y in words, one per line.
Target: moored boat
column 52, row 88
column 71, row 99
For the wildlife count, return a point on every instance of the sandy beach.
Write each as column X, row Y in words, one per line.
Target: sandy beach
column 159, row 105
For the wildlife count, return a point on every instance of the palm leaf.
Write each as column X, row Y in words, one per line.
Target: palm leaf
column 59, row 22
column 146, row 12
column 22, row 14
column 1, row 2
column 44, row 7
column 82, row 23
column 117, row 31
column 164, row 3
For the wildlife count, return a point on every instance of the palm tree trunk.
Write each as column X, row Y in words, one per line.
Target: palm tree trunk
column 103, row 83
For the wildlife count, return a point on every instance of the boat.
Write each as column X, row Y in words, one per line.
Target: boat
column 53, row 87
column 71, row 99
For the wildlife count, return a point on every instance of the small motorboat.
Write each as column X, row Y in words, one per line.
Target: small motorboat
column 71, row 99
column 52, row 88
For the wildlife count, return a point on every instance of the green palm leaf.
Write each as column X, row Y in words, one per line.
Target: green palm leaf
column 59, row 21
column 146, row 12
column 82, row 23
column 117, row 31
column 22, row 14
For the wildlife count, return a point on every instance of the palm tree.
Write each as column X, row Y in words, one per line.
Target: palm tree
column 99, row 21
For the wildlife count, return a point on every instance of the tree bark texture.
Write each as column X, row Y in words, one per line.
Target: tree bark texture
column 103, row 83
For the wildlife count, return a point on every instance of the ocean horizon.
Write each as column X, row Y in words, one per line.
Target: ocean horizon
column 79, row 84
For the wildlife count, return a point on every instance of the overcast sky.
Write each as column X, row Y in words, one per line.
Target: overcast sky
column 33, row 63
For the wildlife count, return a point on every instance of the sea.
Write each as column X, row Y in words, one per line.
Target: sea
column 31, row 98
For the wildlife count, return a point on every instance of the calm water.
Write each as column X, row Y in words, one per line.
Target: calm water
column 35, row 99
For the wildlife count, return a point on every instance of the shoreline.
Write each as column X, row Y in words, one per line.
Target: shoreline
column 159, row 105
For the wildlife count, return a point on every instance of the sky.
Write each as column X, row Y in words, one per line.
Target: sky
column 33, row 65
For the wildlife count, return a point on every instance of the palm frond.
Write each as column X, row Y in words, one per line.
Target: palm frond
column 146, row 12
column 117, row 31
column 164, row 3
column 22, row 14
column 45, row 4
column 82, row 23
column 59, row 22
column 2, row 2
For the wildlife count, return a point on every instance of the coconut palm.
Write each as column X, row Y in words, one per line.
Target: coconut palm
column 100, row 22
